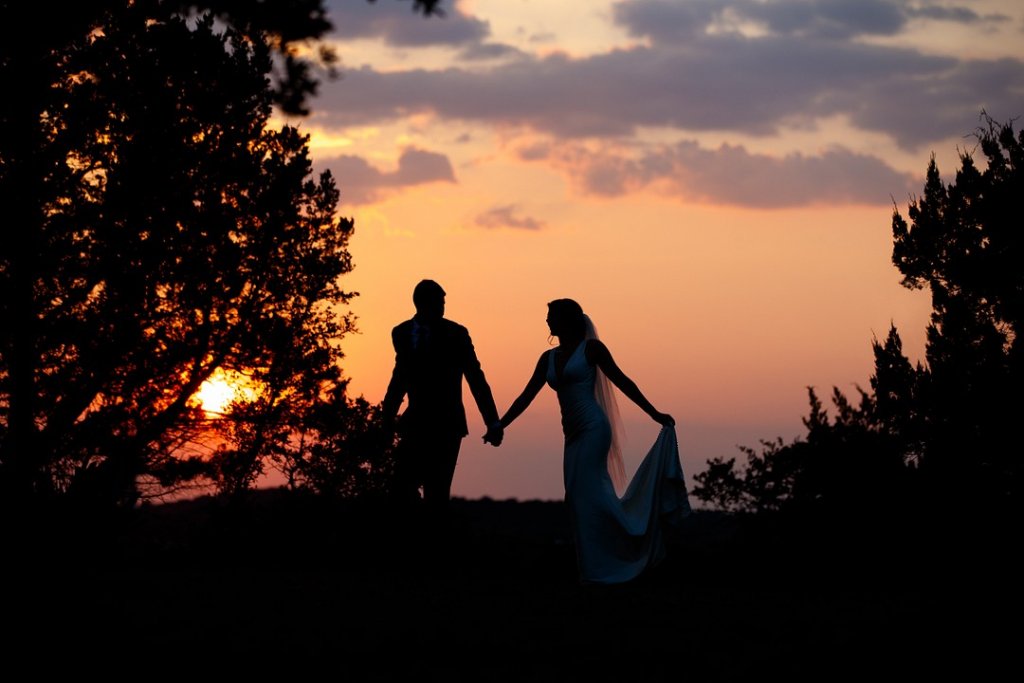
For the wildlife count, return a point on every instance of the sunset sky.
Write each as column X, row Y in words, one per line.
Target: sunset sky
column 713, row 180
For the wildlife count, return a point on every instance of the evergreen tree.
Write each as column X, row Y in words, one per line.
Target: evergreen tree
column 943, row 434
column 156, row 229
column 964, row 243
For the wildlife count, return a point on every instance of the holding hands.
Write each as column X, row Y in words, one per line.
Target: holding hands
column 495, row 434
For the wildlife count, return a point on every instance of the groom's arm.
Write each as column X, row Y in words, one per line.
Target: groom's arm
column 478, row 385
column 397, row 387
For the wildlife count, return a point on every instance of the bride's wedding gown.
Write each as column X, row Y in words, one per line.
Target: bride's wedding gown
column 616, row 538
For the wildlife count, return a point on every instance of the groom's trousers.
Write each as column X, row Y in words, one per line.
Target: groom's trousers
column 425, row 461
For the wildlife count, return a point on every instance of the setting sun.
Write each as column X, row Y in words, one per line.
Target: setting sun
column 223, row 387
column 215, row 395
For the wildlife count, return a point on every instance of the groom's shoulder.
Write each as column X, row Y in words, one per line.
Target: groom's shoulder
column 402, row 327
column 454, row 328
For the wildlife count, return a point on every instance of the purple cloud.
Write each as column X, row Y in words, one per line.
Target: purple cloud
column 669, row 20
column 507, row 216
column 480, row 51
column 806, row 65
column 721, row 82
column 962, row 15
column 732, row 175
column 396, row 24
column 361, row 183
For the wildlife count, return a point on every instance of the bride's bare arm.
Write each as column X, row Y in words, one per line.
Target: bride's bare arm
column 599, row 355
column 524, row 399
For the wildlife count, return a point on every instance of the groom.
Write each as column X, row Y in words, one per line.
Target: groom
column 432, row 355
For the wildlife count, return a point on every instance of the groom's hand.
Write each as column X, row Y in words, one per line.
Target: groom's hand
column 495, row 434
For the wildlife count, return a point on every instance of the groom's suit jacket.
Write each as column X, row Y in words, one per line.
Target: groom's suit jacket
column 429, row 367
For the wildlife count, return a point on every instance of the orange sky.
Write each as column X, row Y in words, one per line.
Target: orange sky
column 724, row 220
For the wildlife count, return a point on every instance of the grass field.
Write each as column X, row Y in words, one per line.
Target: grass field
column 305, row 589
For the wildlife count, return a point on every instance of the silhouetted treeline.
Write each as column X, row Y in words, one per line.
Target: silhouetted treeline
column 941, row 438
column 156, row 231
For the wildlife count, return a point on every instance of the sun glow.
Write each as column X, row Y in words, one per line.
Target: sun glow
column 217, row 393
column 215, row 396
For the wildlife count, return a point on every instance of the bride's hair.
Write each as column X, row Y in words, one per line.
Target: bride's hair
column 572, row 315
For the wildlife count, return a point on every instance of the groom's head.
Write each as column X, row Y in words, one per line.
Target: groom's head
column 428, row 297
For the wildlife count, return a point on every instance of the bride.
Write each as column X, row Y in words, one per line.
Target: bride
column 616, row 538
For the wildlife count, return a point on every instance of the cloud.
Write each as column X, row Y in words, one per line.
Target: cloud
column 490, row 51
column 543, row 37
column 666, row 20
column 962, row 15
column 361, row 183
column 753, row 86
column 396, row 24
column 830, row 19
column 669, row 20
column 702, row 67
column 507, row 216
column 732, row 175
column 807, row 64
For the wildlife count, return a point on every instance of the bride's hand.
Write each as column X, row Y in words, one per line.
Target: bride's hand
column 495, row 434
column 664, row 419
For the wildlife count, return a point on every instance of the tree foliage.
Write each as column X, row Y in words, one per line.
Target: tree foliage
column 964, row 244
column 157, row 229
column 938, row 435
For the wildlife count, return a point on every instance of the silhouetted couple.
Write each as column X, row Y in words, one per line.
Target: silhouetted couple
column 616, row 537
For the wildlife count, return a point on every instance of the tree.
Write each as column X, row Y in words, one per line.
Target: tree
column 940, row 435
column 825, row 474
column 964, row 243
column 157, row 230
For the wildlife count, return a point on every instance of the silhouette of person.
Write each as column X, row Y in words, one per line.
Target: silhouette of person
column 432, row 356
column 617, row 538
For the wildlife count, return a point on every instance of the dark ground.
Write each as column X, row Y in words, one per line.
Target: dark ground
column 292, row 586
